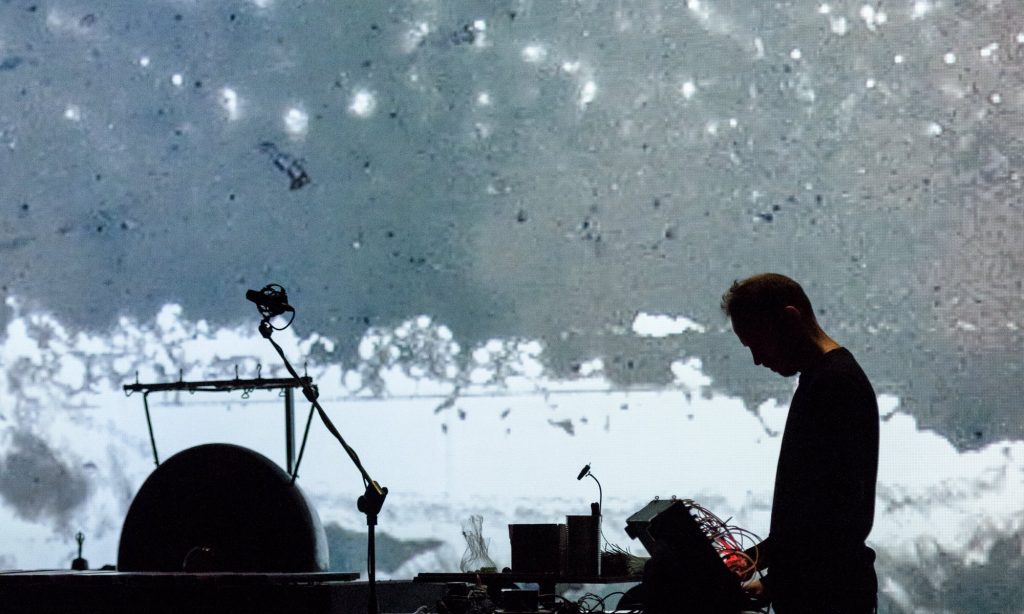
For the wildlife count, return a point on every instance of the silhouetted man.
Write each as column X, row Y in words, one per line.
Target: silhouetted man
column 823, row 508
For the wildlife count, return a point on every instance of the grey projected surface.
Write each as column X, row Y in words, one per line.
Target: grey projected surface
column 538, row 170
column 534, row 169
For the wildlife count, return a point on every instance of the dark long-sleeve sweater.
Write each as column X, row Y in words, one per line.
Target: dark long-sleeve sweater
column 824, row 501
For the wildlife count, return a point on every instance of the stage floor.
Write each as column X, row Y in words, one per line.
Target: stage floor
column 93, row 592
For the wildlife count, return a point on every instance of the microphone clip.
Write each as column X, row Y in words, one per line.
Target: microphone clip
column 270, row 301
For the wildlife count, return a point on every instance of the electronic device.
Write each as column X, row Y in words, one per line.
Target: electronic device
column 686, row 571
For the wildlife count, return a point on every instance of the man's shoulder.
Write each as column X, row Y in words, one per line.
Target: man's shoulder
column 838, row 373
column 841, row 362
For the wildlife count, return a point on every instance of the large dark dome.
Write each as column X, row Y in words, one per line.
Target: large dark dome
column 223, row 508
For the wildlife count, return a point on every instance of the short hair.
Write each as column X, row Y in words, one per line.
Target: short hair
column 764, row 296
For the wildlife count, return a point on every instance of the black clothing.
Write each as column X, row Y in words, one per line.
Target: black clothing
column 824, row 502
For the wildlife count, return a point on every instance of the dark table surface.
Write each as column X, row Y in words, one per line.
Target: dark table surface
column 519, row 576
column 64, row 576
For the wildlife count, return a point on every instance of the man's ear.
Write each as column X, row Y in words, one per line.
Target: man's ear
column 793, row 313
column 793, row 319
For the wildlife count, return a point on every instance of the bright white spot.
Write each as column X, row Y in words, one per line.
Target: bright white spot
column 73, row 113
column 177, row 79
column 921, row 8
column 965, row 326
column 445, row 334
column 55, row 20
column 481, row 355
column 699, row 10
column 796, row 54
column 688, row 89
column 570, row 67
column 587, row 93
column 262, row 3
column 839, row 25
column 144, row 61
column 988, row 50
column 824, row 9
column 415, row 37
column 733, row 122
column 758, row 48
column 363, row 103
column 533, row 348
column 870, row 84
column 480, row 31
column 655, row 325
column 1020, row 37
column 898, row 59
column 367, row 348
column 229, row 102
column 482, row 130
column 534, row 54
column 483, row 99
column 591, row 367
column 296, row 122
column 870, row 17
column 881, row 17
column 711, row 127
column 995, row 98
column 689, row 373
column 949, row 58
column 934, row 129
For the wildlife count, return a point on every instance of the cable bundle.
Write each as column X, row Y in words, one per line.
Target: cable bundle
column 730, row 541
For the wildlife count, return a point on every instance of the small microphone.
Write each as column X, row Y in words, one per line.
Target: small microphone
column 271, row 300
column 584, row 472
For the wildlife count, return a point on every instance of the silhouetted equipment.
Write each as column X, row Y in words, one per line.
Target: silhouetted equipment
column 372, row 499
column 580, row 549
column 286, row 384
column 221, row 508
column 272, row 300
column 79, row 564
column 584, row 472
column 685, row 572
column 538, row 547
column 117, row 592
column 583, row 545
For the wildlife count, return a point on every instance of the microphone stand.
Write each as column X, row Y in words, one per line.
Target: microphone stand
column 372, row 499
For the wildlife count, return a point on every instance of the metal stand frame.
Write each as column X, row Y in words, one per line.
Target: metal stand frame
column 287, row 384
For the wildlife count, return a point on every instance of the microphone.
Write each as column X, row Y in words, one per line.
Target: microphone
column 271, row 300
column 584, row 472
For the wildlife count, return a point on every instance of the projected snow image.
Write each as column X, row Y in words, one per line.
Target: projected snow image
column 491, row 435
column 506, row 226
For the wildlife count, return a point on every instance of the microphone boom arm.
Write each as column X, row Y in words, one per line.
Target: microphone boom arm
column 372, row 500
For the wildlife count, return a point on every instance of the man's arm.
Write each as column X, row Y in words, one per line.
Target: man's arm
column 756, row 588
column 760, row 554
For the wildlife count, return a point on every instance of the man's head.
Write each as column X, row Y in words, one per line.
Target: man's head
column 773, row 317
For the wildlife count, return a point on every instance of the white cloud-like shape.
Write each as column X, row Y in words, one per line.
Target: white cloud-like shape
column 657, row 325
column 933, row 500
